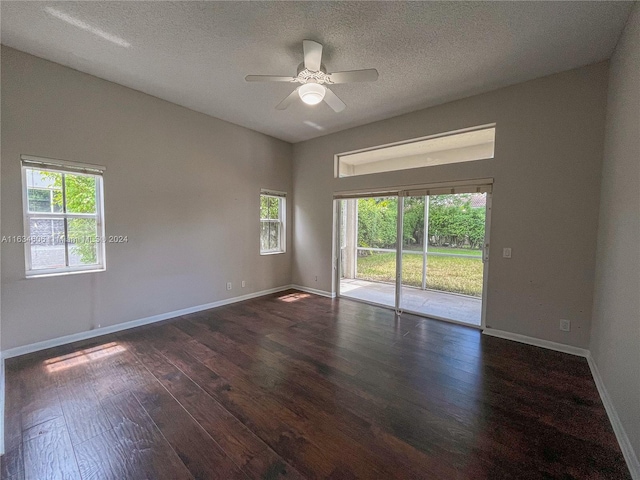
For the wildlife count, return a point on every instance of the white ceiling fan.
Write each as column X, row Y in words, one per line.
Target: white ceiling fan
column 314, row 79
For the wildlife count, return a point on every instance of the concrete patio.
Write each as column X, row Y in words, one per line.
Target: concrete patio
column 448, row 306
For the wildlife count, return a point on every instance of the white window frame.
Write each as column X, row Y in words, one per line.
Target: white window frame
column 282, row 214
column 65, row 167
column 339, row 157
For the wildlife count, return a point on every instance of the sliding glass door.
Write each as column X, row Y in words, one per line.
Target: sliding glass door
column 442, row 262
column 368, row 241
column 423, row 254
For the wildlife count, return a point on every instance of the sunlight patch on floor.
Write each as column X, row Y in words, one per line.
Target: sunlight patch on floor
column 293, row 297
column 83, row 356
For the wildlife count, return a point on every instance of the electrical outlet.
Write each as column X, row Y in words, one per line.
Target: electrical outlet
column 244, row 284
column 228, row 285
column 565, row 325
column 506, row 252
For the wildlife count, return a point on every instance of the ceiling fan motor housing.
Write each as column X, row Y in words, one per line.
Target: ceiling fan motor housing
column 307, row 76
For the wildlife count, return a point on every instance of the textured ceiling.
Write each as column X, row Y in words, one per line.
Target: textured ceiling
column 196, row 54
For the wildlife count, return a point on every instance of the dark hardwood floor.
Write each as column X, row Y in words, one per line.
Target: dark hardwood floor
column 294, row 385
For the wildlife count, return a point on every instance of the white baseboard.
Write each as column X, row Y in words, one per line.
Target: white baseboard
column 537, row 342
column 315, row 291
column 621, row 435
column 55, row 342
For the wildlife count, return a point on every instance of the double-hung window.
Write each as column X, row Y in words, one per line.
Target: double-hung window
column 272, row 222
column 63, row 216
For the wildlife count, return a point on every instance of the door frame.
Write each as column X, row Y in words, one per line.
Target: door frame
column 486, row 254
column 386, row 192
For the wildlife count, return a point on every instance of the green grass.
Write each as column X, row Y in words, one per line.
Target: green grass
column 448, row 274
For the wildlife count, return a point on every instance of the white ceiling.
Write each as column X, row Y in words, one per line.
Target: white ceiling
column 196, row 54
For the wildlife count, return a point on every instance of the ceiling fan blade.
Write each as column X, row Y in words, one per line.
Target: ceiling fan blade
column 268, row 78
column 369, row 75
column 288, row 101
column 312, row 55
column 333, row 101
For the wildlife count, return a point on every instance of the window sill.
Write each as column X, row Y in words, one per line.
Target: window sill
column 59, row 274
column 273, row 253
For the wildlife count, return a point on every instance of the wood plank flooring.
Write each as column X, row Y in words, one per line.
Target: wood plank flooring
column 297, row 386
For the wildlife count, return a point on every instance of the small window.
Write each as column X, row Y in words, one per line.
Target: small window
column 63, row 223
column 272, row 222
column 451, row 147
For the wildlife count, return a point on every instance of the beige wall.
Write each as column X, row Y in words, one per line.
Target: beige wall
column 184, row 188
column 615, row 335
column 549, row 144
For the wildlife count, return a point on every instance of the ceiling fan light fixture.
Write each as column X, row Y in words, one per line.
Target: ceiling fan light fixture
column 311, row 93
